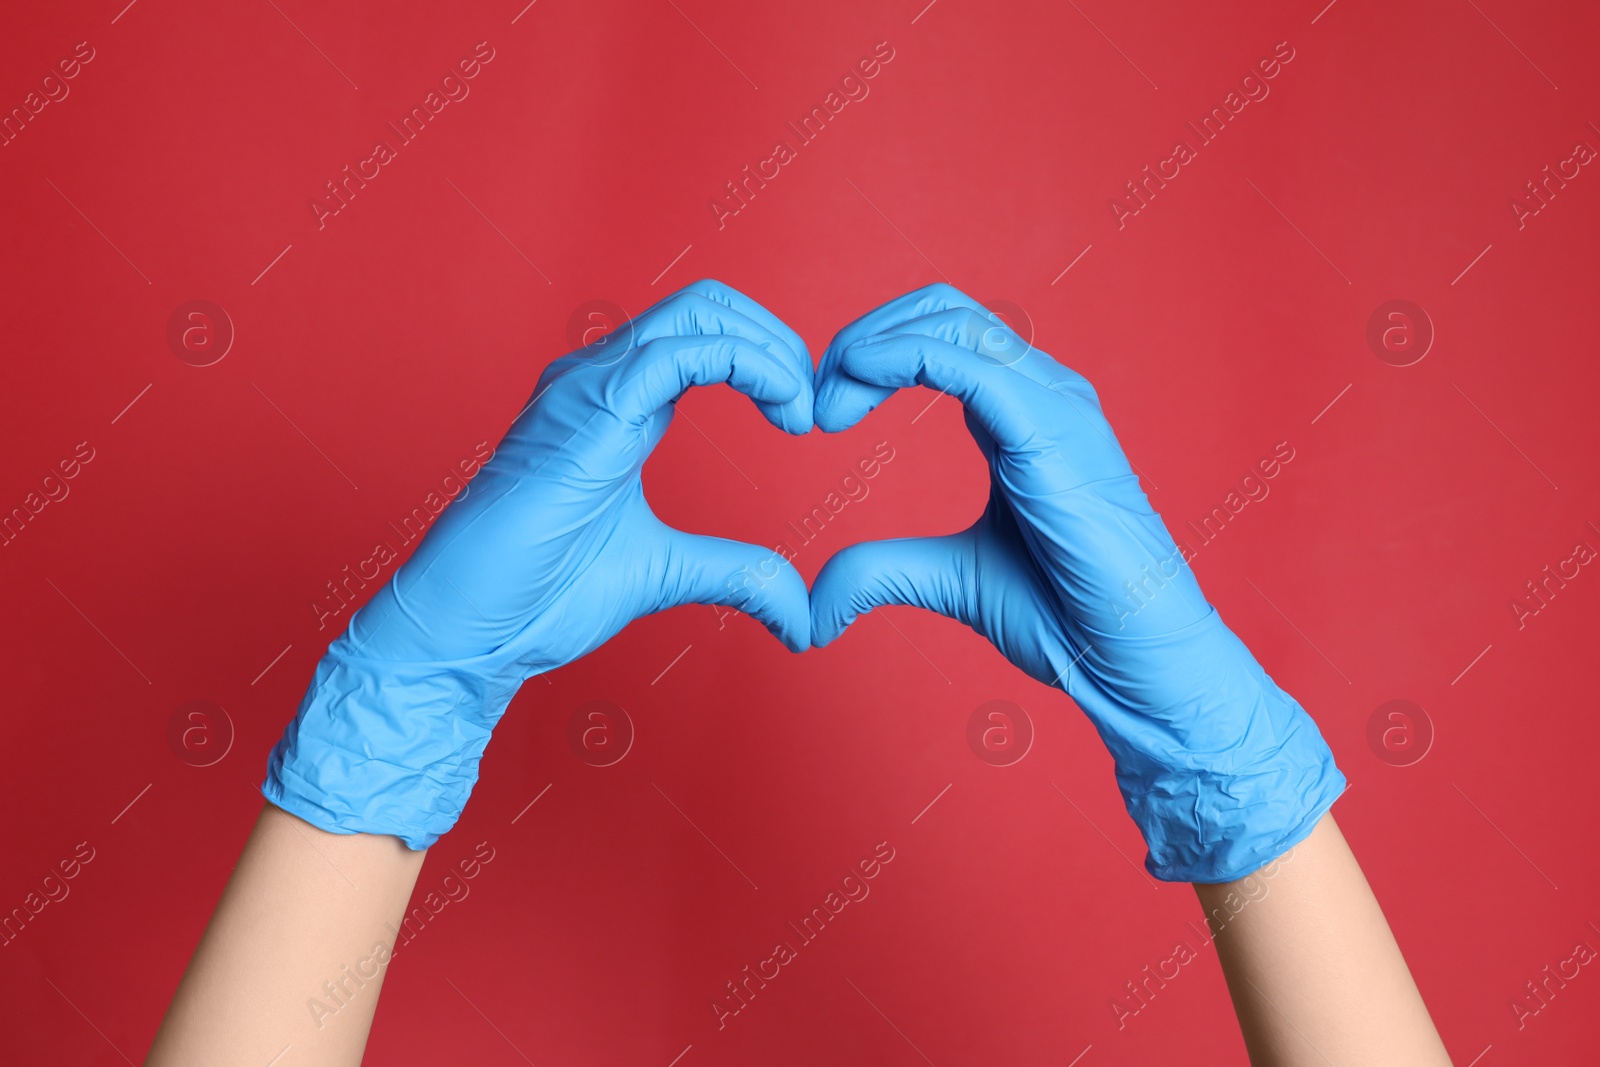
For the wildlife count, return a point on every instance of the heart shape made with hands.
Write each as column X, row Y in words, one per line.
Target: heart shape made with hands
column 1068, row 571
column 1037, row 423
column 580, row 554
column 555, row 548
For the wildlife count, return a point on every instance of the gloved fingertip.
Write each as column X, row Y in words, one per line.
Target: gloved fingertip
column 793, row 634
column 842, row 401
column 792, row 417
column 826, row 623
column 829, row 421
column 840, row 411
column 787, row 385
column 801, row 415
column 765, row 379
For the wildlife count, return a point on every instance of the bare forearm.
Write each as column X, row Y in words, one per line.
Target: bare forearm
column 304, row 907
column 1315, row 974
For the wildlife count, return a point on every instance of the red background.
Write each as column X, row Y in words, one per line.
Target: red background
column 1219, row 321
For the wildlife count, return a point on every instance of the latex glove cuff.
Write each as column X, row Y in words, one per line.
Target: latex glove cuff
column 383, row 747
column 1221, row 770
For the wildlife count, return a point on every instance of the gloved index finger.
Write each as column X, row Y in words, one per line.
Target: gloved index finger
column 1007, row 406
column 733, row 312
column 752, row 309
column 710, row 308
column 993, row 341
column 843, row 401
column 668, row 366
column 912, row 305
column 687, row 314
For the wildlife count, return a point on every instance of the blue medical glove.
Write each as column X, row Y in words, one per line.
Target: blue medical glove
column 550, row 551
column 1072, row 575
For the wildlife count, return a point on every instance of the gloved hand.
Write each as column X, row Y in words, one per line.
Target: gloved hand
column 1071, row 574
column 550, row 552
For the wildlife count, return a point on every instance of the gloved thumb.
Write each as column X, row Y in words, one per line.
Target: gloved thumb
column 926, row 572
column 757, row 581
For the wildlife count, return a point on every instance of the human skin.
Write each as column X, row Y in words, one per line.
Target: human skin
column 301, row 907
column 1314, row 971
column 1315, row 974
